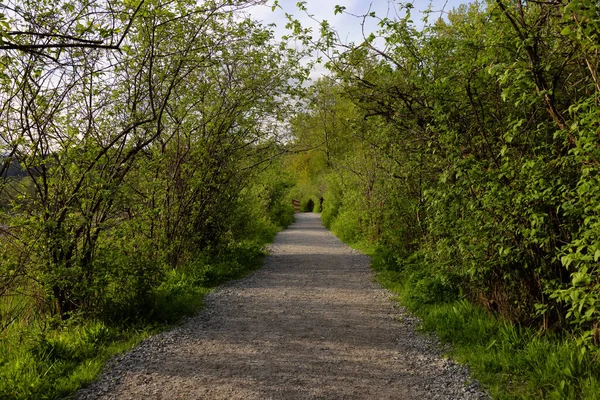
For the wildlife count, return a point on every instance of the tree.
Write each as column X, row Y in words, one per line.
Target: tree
column 144, row 144
column 474, row 136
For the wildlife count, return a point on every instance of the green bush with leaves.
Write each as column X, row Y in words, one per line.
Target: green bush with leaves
column 144, row 158
column 482, row 163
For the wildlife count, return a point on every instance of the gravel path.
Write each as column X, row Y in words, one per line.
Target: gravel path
column 311, row 324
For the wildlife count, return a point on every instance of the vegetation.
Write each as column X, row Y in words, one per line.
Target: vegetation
column 511, row 361
column 467, row 151
column 471, row 145
column 147, row 134
column 155, row 161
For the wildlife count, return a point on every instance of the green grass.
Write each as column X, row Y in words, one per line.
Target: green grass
column 511, row 362
column 58, row 362
column 45, row 359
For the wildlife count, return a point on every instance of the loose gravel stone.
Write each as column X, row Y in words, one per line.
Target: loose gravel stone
column 311, row 324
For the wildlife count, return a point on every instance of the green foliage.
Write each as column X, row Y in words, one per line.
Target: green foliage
column 144, row 163
column 347, row 226
column 280, row 209
column 45, row 359
column 511, row 361
column 483, row 164
column 142, row 183
column 467, row 152
column 332, row 201
column 128, row 295
column 181, row 294
column 434, row 289
column 60, row 360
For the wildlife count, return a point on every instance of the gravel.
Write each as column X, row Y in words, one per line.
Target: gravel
column 311, row 324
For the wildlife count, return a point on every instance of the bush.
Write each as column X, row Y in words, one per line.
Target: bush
column 282, row 213
column 180, row 295
column 347, row 226
column 129, row 294
column 332, row 201
column 427, row 289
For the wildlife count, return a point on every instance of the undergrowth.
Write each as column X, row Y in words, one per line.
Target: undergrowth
column 44, row 358
column 510, row 361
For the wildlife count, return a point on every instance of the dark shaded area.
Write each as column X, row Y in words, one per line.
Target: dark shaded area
column 11, row 168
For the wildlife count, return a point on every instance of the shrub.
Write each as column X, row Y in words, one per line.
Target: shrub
column 427, row 289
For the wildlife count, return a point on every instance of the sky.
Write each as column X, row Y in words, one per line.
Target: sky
column 347, row 26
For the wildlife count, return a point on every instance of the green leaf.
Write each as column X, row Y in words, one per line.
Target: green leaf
column 580, row 279
column 338, row 9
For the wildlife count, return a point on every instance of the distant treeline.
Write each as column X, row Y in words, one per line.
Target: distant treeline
column 11, row 168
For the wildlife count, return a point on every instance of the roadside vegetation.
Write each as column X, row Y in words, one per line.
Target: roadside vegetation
column 511, row 361
column 139, row 145
column 466, row 152
column 43, row 358
column 150, row 148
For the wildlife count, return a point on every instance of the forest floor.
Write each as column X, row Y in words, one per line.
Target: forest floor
column 311, row 324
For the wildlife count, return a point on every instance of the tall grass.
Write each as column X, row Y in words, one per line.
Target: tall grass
column 56, row 362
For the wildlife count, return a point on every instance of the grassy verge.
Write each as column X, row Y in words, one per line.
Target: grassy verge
column 511, row 362
column 45, row 359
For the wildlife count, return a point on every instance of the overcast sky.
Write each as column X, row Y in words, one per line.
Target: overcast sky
column 347, row 26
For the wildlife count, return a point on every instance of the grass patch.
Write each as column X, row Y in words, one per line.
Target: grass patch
column 55, row 363
column 511, row 362
column 41, row 358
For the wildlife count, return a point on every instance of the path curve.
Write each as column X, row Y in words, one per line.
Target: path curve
column 312, row 324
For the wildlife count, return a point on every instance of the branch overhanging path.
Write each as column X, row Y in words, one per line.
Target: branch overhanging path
column 312, row 324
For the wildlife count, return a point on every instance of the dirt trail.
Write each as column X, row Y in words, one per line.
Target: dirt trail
column 311, row 324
